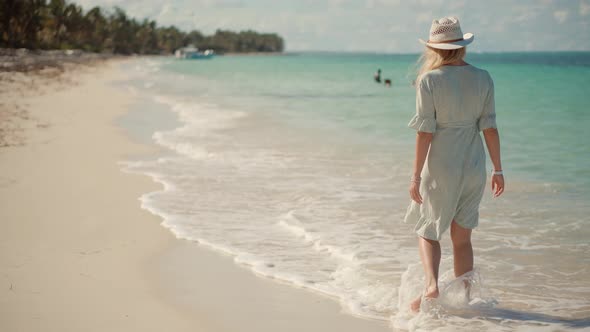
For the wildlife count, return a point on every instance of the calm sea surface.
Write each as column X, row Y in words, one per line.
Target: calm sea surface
column 298, row 166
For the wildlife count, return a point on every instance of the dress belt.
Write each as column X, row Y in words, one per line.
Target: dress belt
column 456, row 125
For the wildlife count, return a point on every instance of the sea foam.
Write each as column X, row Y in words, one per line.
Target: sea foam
column 304, row 199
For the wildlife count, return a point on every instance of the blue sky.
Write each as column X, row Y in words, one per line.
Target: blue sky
column 378, row 25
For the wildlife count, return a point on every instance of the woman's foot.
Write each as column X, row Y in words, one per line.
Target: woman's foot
column 467, row 284
column 430, row 293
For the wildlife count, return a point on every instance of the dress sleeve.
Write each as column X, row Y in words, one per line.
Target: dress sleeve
column 488, row 116
column 425, row 117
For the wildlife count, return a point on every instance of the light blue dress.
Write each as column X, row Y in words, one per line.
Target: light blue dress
column 454, row 103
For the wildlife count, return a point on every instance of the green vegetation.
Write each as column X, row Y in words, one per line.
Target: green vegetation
column 56, row 24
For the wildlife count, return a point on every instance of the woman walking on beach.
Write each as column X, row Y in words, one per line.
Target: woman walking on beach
column 454, row 101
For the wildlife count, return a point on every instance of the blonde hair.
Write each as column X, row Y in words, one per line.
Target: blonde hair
column 433, row 58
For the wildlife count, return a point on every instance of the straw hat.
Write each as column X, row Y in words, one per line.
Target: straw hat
column 446, row 34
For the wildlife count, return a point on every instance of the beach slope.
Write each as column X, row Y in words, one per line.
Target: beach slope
column 74, row 240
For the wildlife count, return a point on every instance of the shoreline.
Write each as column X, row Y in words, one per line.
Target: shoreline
column 79, row 252
column 253, row 53
column 230, row 287
column 30, row 60
column 196, row 279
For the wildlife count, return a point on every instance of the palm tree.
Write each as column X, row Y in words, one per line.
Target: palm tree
column 96, row 30
column 58, row 24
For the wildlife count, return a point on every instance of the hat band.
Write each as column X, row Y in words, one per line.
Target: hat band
column 445, row 41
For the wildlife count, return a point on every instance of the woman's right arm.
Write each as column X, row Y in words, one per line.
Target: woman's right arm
column 493, row 143
column 424, row 121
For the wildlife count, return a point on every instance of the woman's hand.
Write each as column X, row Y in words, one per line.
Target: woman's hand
column 415, row 192
column 497, row 184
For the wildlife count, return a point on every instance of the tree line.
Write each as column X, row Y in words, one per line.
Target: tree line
column 57, row 24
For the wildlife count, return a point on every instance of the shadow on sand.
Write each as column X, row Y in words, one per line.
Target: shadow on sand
column 501, row 314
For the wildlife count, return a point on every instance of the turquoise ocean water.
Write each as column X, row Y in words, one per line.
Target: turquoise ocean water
column 298, row 166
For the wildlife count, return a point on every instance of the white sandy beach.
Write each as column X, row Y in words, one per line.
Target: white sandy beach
column 78, row 252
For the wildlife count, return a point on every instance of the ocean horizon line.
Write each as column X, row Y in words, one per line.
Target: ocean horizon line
column 295, row 52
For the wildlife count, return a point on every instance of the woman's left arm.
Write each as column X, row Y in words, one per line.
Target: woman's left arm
column 423, row 140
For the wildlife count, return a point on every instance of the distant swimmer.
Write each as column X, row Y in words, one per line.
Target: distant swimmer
column 377, row 76
column 388, row 82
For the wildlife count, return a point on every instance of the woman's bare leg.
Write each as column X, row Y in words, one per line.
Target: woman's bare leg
column 462, row 250
column 430, row 256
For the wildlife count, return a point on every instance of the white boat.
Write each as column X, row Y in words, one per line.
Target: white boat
column 191, row 52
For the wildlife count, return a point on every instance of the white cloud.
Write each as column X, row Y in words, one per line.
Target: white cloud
column 165, row 10
column 457, row 4
column 371, row 4
column 524, row 17
column 560, row 15
column 425, row 17
column 337, row 3
column 523, row 14
column 431, row 2
column 389, row 3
